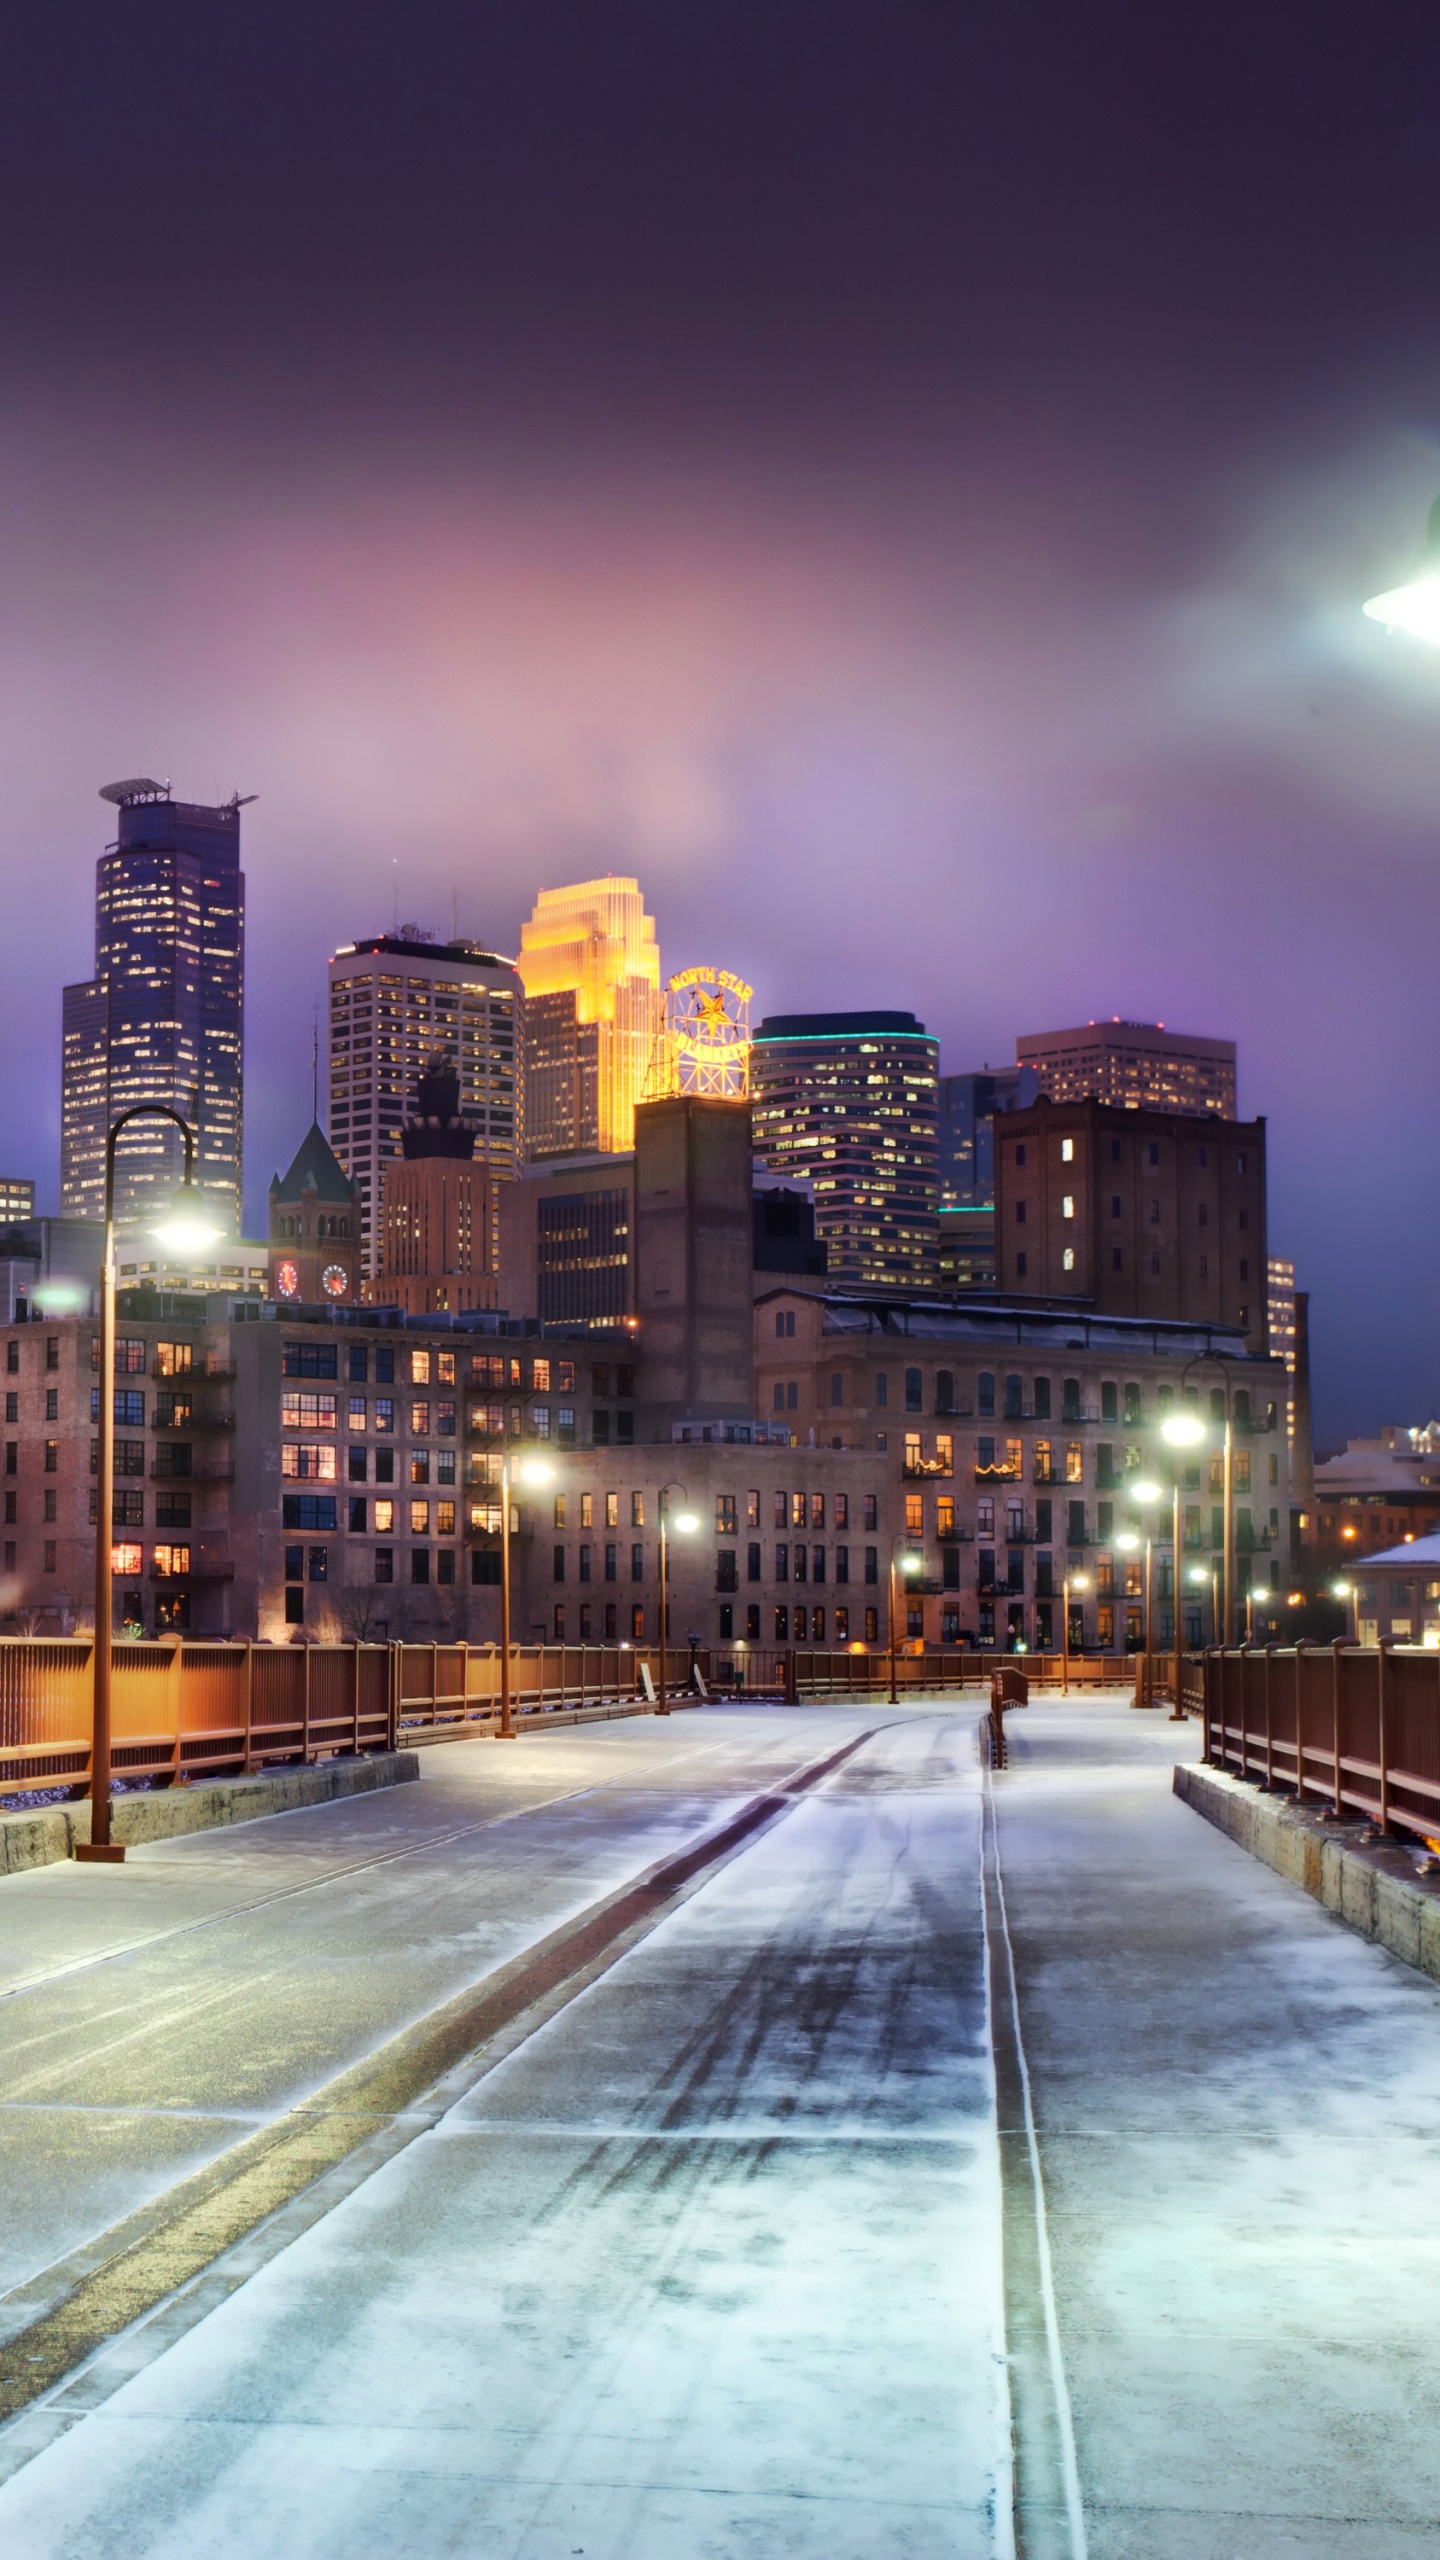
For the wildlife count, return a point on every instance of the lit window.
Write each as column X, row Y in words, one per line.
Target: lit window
column 420, row 1368
column 1068, row 1258
column 419, row 1519
column 1067, row 1205
column 126, row 1558
column 1067, row 1150
column 312, row 1459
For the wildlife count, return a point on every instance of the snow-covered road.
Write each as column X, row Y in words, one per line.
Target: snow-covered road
column 711, row 2263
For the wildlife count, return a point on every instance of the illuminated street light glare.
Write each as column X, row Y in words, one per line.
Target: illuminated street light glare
column 1079, row 1581
column 1182, row 1430
column 686, row 1523
column 188, row 1225
column 535, row 1471
column 1128, row 1538
column 910, row 1564
column 1415, row 606
column 1197, row 1573
column 1342, row 1590
column 1145, row 1491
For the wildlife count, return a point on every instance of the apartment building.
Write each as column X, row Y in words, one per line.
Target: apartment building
column 1016, row 1439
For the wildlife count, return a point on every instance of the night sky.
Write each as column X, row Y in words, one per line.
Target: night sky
column 901, row 479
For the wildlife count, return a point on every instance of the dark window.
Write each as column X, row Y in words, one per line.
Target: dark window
column 872, row 1564
column 1117, row 1259
column 52, row 1457
column 1200, row 1156
column 727, row 1577
column 1244, row 1274
column 308, row 1511
column 612, row 1562
column 726, row 1621
column 358, row 1467
column 1152, row 1153
column 586, row 1553
column 295, row 1608
column 484, row 1564
column 1114, row 1204
column 1244, row 1218
column 1155, row 1266
column 624, row 1378
column 842, row 1564
column 1014, row 1399
column 1043, row 1517
column 949, row 1568
column 752, row 1562
column 914, row 1391
column 384, row 1365
column 637, row 1562
column 12, row 1407
column 985, row 1392
column 1070, row 1400
column 12, row 1457
column 419, row 1564
column 445, row 1565
column 782, row 1623
column 130, row 1407
column 1076, row 1531
column 358, row 1509
column 752, row 1621
column 172, row 1510
column 385, row 1565
column 1114, row 1150
column 558, row 1574
column 882, row 1387
column 294, row 1564
column 52, row 1394
column 624, row 1428
column 792, row 1395
column 1042, row 1399
column 944, row 1390
column 319, row 1563
column 601, row 1429
column 359, row 1364
column 1022, row 1265
column 1020, row 1155
column 872, row 1511
column 985, row 1569
column 837, row 1387
column 384, row 1466
column 1020, row 1206
column 801, row 1559
column 52, row 1351
column 782, row 1563
column 12, row 1357
column 1242, row 1404
column 311, row 1360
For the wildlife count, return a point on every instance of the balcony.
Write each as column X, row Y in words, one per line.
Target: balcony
column 999, row 1475
column 202, row 1569
column 915, row 1469
column 221, row 1472
column 194, row 1422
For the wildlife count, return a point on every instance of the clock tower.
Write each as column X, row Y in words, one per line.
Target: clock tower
column 315, row 1229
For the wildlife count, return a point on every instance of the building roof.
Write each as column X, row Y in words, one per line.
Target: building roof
column 1416, row 1553
column 839, row 1026
column 1056, row 1323
column 316, row 1168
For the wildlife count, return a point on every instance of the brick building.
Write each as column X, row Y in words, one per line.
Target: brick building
column 1010, row 1438
column 1135, row 1213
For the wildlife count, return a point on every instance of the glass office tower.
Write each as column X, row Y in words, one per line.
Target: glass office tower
column 162, row 1019
column 849, row 1101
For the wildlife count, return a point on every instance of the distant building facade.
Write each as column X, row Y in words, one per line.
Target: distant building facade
column 162, row 1019
column 1134, row 1213
column 594, row 1017
column 1133, row 1066
column 438, row 1226
column 17, row 1200
column 395, row 1001
column 968, row 1105
column 849, row 1102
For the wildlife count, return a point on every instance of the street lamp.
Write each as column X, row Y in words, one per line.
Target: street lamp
column 1257, row 1597
column 1346, row 1592
column 186, row 1227
column 1182, row 1431
column 1144, row 1495
column 687, row 1524
column 533, row 1471
column 1415, row 606
column 909, row 1565
column 1071, row 1582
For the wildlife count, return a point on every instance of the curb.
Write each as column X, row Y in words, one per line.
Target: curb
column 47, row 1835
column 1371, row 1886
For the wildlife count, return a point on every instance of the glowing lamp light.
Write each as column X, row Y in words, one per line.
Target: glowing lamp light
column 1127, row 1539
column 1342, row 1590
column 1197, row 1573
column 910, row 1564
column 1259, row 1597
column 1182, row 1430
column 1415, row 606
column 1079, row 1581
column 188, row 1225
column 536, row 1471
column 686, row 1523
column 1145, row 1491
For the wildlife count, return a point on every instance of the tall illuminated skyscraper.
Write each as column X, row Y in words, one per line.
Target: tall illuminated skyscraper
column 162, row 1019
column 396, row 1003
column 848, row 1100
column 594, row 1016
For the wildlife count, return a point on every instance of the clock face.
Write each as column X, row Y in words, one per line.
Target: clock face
column 287, row 1279
column 334, row 1280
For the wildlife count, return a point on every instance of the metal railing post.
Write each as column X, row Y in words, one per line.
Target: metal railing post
column 1335, row 1734
column 1382, row 1676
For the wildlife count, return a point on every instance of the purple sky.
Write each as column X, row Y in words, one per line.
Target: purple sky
column 899, row 480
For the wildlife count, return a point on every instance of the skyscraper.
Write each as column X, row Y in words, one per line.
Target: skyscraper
column 594, row 1016
column 394, row 1003
column 849, row 1100
column 162, row 1019
column 1133, row 1066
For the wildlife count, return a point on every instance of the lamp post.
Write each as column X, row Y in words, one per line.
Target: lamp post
column 1071, row 1582
column 530, row 1471
column 908, row 1565
column 1145, row 1495
column 187, row 1226
column 687, row 1524
column 1182, row 1431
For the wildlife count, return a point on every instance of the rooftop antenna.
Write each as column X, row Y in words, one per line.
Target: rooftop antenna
column 454, row 913
column 315, row 1065
column 395, row 893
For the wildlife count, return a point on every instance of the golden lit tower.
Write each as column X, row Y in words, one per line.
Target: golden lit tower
column 593, row 1014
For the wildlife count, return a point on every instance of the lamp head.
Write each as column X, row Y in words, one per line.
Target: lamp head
column 535, row 1471
column 189, row 1224
column 1343, row 1590
column 1182, row 1430
column 1079, row 1581
column 686, row 1523
column 1128, row 1538
column 1415, row 606
column 1197, row 1573
column 1145, row 1491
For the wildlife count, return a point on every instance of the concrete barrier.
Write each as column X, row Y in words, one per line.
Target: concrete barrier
column 1372, row 1885
column 41, row 1835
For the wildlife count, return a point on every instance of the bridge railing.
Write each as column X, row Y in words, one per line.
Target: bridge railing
column 1354, row 1727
